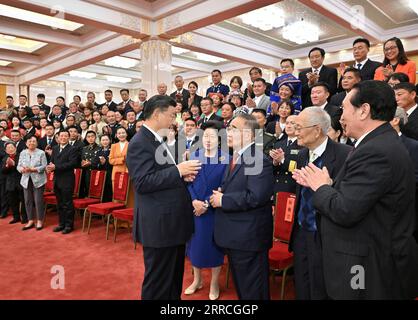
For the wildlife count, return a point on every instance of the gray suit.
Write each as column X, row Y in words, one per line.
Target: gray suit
column 264, row 102
column 33, row 183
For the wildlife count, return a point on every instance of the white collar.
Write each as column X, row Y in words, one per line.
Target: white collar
column 323, row 105
column 157, row 136
column 319, row 69
column 319, row 150
column 245, row 148
column 361, row 62
column 191, row 138
column 180, row 91
column 361, row 138
column 292, row 139
column 411, row 110
column 62, row 147
column 210, row 115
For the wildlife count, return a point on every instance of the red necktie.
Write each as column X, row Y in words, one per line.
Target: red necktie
column 233, row 162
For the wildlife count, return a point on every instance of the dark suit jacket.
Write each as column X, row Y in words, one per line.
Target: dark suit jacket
column 43, row 142
column 131, row 131
column 29, row 134
column 411, row 128
column 213, row 117
column 333, row 157
column 179, row 147
column 332, row 110
column 21, row 146
column 197, row 100
column 78, row 146
column 366, row 72
column 327, row 75
column 368, row 220
column 163, row 214
column 245, row 220
column 65, row 163
column 338, row 98
column 412, row 147
column 185, row 98
column 11, row 175
column 112, row 106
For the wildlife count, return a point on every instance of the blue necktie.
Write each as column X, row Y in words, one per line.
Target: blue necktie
column 188, row 144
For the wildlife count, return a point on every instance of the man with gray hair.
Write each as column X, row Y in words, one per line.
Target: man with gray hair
column 399, row 121
column 311, row 127
column 181, row 95
column 162, row 89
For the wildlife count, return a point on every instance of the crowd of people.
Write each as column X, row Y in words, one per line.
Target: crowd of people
column 302, row 131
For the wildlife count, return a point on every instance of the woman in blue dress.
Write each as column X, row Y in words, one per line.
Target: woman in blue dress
column 201, row 249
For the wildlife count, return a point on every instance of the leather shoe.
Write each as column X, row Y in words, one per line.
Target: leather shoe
column 192, row 289
column 67, row 230
column 58, row 229
column 28, row 227
column 39, row 228
column 14, row 221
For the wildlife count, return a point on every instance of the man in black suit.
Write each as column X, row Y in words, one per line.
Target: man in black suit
column 126, row 103
column 4, row 204
column 207, row 112
column 181, row 95
column 30, row 129
column 368, row 212
column 163, row 218
column 243, row 219
column 112, row 126
column 311, row 127
column 109, row 100
column 367, row 67
column 350, row 77
column 318, row 73
column 188, row 141
column 63, row 162
column 131, row 126
column 41, row 103
column 319, row 95
column 48, row 139
column 16, row 137
column 76, row 143
column 406, row 97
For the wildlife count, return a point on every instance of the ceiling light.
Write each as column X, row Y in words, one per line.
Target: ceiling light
column 265, row 19
column 4, row 63
column 8, row 37
column 118, row 79
column 19, row 44
column 413, row 4
column 178, row 50
column 121, row 62
column 301, row 32
column 208, row 58
column 53, row 22
column 82, row 74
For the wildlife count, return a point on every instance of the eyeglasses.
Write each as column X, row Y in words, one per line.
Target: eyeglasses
column 390, row 48
column 299, row 128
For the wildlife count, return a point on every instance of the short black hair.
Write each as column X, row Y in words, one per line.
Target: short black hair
column 321, row 84
column 364, row 40
column 208, row 99
column 122, row 90
column 41, row 95
column 108, row 90
column 260, row 80
column 292, row 63
column 405, row 86
column 217, row 70
column 256, row 69
column 91, row 131
column 159, row 102
column 9, row 97
column 322, row 51
column 49, row 125
column 22, row 95
column 400, row 76
column 232, row 105
column 211, row 124
column 77, row 97
column 28, row 119
column 65, row 130
column 379, row 95
column 262, row 111
column 72, row 127
column 191, row 119
column 60, row 97
column 356, row 72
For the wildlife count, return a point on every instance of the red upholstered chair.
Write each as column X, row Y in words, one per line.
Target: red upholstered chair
column 120, row 197
column 96, row 189
column 280, row 259
column 49, row 185
column 124, row 215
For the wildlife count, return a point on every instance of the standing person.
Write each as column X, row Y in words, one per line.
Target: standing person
column 194, row 98
column 163, row 218
column 217, row 86
column 63, row 162
column 14, row 192
column 32, row 164
column 180, row 95
column 98, row 125
column 101, row 162
column 243, row 219
column 118, row 152
column 87, row 155
column 368, row 212
column 201, row 249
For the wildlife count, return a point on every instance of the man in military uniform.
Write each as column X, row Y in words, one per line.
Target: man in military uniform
column 284, row 155
column 263, row 138
column 88, row 154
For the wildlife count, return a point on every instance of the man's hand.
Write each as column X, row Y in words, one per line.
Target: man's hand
column 277, row 155
column 50, row 167
column 199, row 207
column 216, row 198
column 278, row 129
column 313, row 177
column 250, row 103
column 312, row 78
column 188, row 168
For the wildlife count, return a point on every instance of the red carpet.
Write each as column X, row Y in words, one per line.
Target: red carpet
column 94, row 268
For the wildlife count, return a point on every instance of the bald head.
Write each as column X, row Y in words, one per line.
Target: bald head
column 162, row 89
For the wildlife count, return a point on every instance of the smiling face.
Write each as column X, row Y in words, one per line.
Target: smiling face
column 316, row 59
column 391, row 50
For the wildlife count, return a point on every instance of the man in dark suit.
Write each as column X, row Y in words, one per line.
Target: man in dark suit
column 40, row 98
column 368, row 213
column 318, row 73
column 255, row 73
column 109, row 100
column 63, row 162
column 243, row 219
column 180, row 95
column 130, row 129
column 188, row 141
column 4, row 205
column 76, row 143
column 311, row 127
column 406, row 97
column 163, row 218
column 367, row 67
column 48, row 139
column 16, row 137
column 126, row 103
column 30, row 129
column 319, row 95
column 350, row 77
column 207, row 112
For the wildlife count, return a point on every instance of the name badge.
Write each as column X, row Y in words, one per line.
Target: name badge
column 294, row 151
column 292, row 166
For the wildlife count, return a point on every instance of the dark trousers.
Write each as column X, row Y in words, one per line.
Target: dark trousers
column 164, row 268
column 250, row 271
column 65, row 205
column 4, row 202
column 308, row 270
column 17, row 204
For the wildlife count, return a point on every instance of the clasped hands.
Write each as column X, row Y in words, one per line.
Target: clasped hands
column 50, row 167
column 29, row 169
column 277, row 155
column 312, row 177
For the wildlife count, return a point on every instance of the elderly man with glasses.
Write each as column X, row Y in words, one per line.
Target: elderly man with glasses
column 311, row 127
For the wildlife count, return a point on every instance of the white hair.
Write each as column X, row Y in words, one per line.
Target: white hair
column 318, row 116
column 401, row 115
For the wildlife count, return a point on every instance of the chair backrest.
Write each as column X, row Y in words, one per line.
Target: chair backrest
column 121, row 187
column 97, row 183
column 49, row 185
column 284, row 215
column 77, row 174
